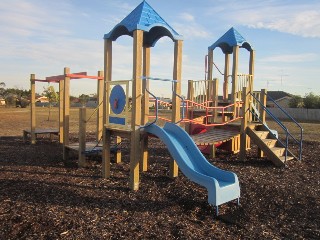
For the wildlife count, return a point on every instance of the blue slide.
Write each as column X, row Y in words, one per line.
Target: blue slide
column 222, row 186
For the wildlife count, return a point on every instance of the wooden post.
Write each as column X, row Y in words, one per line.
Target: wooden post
column 106, row 138
column 210, row 98
column 145, row 108
column 235, row 78
column 135, row 151
column 82, row 137
column 263, row 100
column 100, row 107
column 190, row 96
column 251, row 68
column 244, row 122
column 210, row 64
column 118, row 151
column 226, row 77
column 176, row 102
column 262, row 113
column 66, row 113
column 33, row 108
column 212, row 153
column 215, row 88
column 61, row 107
column 251, row 77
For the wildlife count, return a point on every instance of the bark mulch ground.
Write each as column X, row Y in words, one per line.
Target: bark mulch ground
column 41, row 198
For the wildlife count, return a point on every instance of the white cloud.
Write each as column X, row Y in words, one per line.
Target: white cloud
column 298, row 18
column 305, row 23
column 186, row 17
column 191, row 31
column 291, row 58
column 189, row 28
column 22, row 18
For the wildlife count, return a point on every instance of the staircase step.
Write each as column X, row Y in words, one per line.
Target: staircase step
column 261, row 134
column 282, row 158
column 269, row 142
column 278, row 151
column 253, row 126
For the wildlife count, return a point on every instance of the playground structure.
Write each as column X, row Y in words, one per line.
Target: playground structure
column 229, row 124
column 33, row 131
column 146, row 27
column 64, row 114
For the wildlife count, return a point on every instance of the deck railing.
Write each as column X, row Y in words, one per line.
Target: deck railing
column 189, row 108
column 244, row 80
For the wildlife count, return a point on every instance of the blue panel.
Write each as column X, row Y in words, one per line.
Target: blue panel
column 117, row 120
column 117, row 99
column 145, row 18
column 230, row 39
column 222, row 186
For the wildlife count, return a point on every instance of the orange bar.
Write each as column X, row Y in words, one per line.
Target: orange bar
column 78, row 76
column 61, row 77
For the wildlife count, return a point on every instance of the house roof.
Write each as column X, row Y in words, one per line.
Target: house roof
column 230, row 39
column 145, row 18
column 276, row 95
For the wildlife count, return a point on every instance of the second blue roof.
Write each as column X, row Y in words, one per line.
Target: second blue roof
column 230, row 39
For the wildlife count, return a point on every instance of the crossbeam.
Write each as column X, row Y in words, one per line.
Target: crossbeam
column 79, row 76
column 61, row 77
column 44, row 80
column 158, row 79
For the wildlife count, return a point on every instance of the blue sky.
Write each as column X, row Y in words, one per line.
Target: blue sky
column 43, row 36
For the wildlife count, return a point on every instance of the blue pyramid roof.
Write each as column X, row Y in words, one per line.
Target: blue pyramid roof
column 145, row 18
column 230, row 39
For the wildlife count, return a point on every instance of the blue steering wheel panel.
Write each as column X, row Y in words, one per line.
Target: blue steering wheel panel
column 117, row 99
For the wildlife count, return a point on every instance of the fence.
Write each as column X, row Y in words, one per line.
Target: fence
column 300, row 114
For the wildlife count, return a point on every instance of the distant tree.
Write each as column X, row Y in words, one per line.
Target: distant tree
column 84, row 99
column 296, row 101
column 10, row 100
column 73, row 98
column 2, row 89
column 18, row 92
column 52, row 96
column 311, row 101
column 14, row 96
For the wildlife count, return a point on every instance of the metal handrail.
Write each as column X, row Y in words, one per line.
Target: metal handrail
column 285, row 145
column 156, row 110
column 283, row 127
column 183, row 101
column 271, row 114
column 293, row 120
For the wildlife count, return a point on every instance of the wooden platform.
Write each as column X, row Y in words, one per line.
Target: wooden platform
column 215, row 136
column 91, row 147
column 38, row 131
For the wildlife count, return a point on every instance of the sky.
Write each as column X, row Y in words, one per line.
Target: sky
column 44, row 36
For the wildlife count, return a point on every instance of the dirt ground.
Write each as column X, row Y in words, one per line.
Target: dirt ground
column 41, row 198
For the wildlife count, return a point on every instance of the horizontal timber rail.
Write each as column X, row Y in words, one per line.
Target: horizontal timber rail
column 80, row 75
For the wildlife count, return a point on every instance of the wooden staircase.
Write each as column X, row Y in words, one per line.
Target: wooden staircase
column 269, row 144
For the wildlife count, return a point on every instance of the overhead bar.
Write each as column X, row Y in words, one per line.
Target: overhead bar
column 159, row 79
column 61, row 77
column 78, row 76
